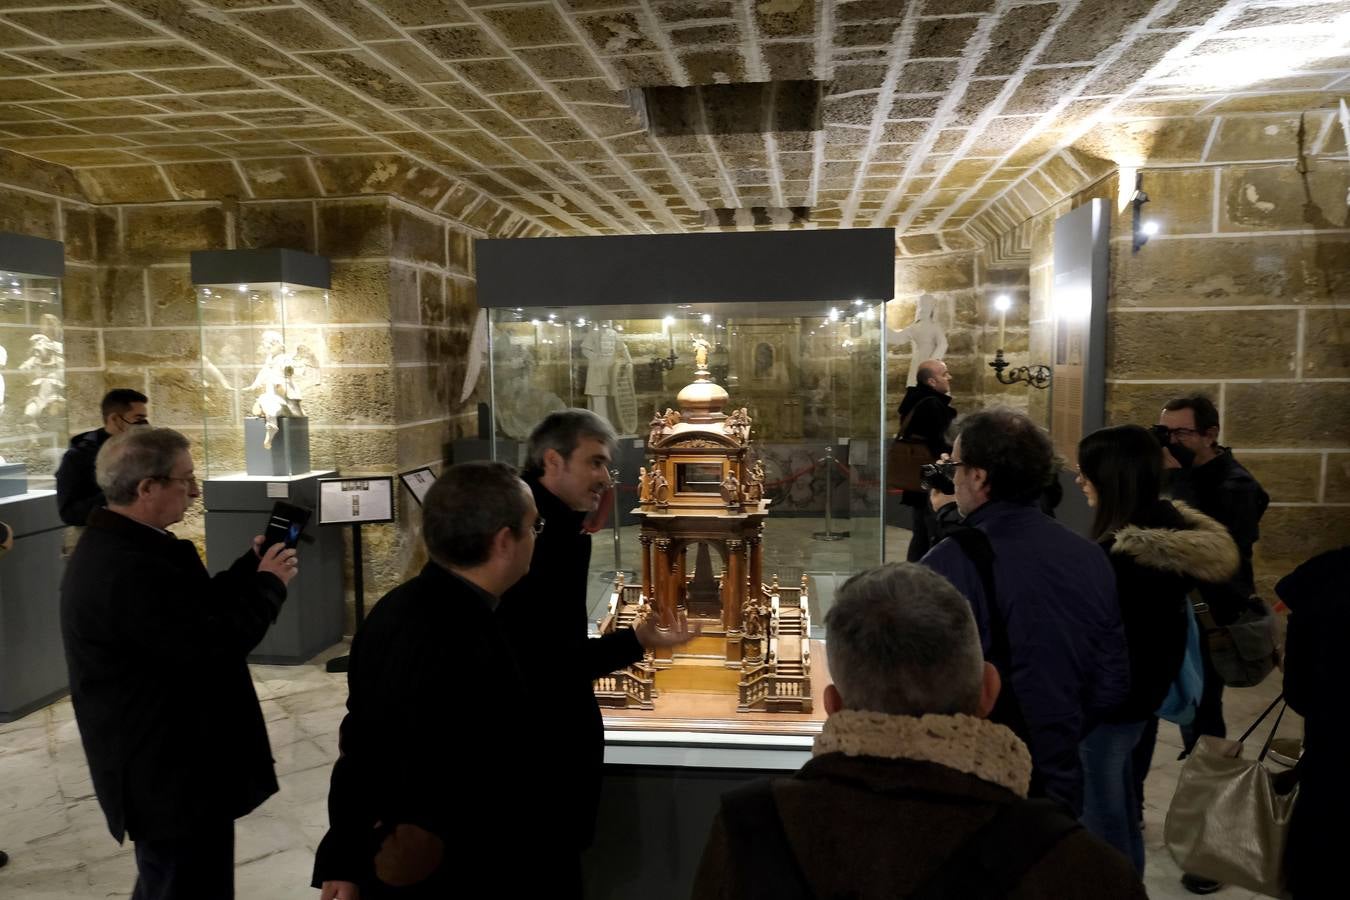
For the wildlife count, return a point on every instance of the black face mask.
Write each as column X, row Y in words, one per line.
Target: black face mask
column 1184, row 456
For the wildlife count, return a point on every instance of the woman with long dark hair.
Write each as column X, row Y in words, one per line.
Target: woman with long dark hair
column 1158, row 549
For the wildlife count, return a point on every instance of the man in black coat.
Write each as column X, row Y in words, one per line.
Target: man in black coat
column 545, row 617
column 926, row 412
column 156, row 649
column 1205, row 475
column 77, row 491
column 443, row 775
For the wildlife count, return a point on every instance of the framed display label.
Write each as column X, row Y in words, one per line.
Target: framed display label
column 356, row 501
column 418, row 482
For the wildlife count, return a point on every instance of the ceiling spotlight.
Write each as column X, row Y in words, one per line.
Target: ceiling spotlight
column 1002, row 303
column 834, row 314
column 668, row 321
column 857, row 303
column 243, row 288
column 1149, row 228
column 685, row 306
column 707, row 319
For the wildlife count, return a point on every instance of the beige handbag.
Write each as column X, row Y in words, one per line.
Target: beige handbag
column 1228, row 821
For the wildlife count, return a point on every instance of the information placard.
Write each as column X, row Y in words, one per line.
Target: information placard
column 418, row 482
column 356, row 501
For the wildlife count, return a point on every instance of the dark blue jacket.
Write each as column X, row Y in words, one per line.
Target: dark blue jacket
column 1069, row 660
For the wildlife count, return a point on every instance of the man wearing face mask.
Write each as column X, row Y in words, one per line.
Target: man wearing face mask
column 1204, row 475
column 77, row 493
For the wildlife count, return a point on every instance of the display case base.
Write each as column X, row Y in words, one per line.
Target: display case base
column 289, row 453
column 13, row 479
column 237, row 508
column 32, row 657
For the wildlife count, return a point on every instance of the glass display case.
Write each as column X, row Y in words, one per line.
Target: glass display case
column 795, row 423
column 270, row 425
column 33, row 431
column 33, row 439
column 263, row 355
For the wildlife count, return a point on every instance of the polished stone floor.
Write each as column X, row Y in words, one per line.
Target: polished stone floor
column 60, row 848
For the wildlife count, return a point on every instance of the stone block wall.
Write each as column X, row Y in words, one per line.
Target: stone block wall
column 1243, row 295
column 402, row 307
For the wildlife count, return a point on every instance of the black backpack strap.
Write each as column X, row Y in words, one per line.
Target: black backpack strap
column 993, row 860
column 759, row 846
column 975, row 544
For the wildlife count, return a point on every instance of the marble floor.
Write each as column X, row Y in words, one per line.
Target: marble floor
column 60, row 849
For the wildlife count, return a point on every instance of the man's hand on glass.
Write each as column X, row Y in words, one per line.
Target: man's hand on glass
column 653, row 638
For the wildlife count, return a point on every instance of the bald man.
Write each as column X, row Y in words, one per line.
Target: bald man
column 925, row 414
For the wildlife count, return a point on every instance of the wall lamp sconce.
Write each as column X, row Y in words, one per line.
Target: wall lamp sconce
column 1038, row 376
column 1143, row 230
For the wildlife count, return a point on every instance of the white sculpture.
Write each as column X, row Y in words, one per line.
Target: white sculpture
column 47, row 359
column 926, row 338
column 609, row 377
column 520, row 402
column 280, row 394
column 4, row 361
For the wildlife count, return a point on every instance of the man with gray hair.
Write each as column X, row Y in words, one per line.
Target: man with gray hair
column 545, row 616
column 910, row 791
column 156, row 649
column 433, row 794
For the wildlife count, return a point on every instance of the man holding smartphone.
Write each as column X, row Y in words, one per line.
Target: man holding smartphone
column 156, row 649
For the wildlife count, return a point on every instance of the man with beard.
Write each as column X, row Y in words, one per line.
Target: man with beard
column 1205, row 475
column 545, row 616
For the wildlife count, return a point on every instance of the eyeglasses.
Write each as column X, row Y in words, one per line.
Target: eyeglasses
column 138, row 420
column 189, row 480
column 1178, row 432
column 538, row 526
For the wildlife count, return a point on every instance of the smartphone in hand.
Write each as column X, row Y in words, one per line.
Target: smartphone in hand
column 285, row 526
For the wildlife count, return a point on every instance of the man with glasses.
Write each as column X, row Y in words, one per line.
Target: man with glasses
column 1205, row 475
column 1044, row 597
column 77, row 491
column 156, row 651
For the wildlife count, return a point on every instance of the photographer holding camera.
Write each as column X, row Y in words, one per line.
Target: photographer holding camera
column 1044, row 598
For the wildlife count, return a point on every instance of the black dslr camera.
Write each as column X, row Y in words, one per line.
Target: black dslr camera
column 935, row 477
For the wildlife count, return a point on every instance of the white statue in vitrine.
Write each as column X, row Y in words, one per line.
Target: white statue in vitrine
column 925, row 336
column 609, row 377
column 521, row 401
column 279, row 383
column 47, row 361
column 4, row 361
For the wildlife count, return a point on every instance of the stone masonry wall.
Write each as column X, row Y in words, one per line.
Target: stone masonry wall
column 401, row 311
column 1243, row 295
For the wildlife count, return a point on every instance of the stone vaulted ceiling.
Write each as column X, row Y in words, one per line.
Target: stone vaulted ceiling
column 927, row 112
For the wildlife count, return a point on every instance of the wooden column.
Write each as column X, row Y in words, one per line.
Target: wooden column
column 757, row 567
column 647, row 591
column 734, row 579
column 678, row 600
column 664, row 598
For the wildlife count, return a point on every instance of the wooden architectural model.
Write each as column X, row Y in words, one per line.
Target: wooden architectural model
column 702, row 495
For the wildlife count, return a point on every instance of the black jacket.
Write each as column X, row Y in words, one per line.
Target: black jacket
column 1318, row 596
column 434, row 736
column 933, row 415
column 166, row 709
column 1222, row 489
column 77, row 492
column 545, row 618
column 1157, row 562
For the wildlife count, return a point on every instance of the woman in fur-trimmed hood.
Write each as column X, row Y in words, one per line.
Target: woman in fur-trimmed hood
column 1159, row 551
